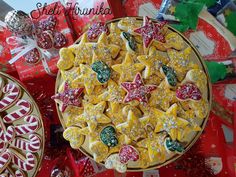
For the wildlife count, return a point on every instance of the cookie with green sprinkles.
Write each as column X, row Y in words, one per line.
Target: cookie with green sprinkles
column 108, row 136
column 173, row 146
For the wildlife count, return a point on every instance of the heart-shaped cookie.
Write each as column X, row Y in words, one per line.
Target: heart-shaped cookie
column 188, row 91
column 113, row 162
column 32, row 57
column 173, row 146
column 108, row 136
column 45, row 40
column 96, row 30
column 103, row 71
column 72, row 134
column 128, row 153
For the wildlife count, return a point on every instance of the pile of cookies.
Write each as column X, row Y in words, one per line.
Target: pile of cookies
column 130, row 93
column 21, row 141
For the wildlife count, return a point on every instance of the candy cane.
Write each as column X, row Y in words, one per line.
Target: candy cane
column 31, row 145
column 19, row 173
column 8, row 135
column 5, row 158
column 13, row 94
column 2, row 146
column 25, row 164
column 1, row 85
column 20, row 113
column 7, row 173
column 32, row 126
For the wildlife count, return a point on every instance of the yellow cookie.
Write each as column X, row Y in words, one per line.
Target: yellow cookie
column 128, row 24
column 201, row 108
column 115, row 113
column 144, row 160
column 66, row 60
column 114, row 36
column 113, row 162
column 73, row 135
column 70, row 76
column 99, row 150
column 174, row 40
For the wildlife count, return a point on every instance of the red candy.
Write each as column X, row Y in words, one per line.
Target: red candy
column 136, row 90
column 188, row 91
column 128, row 153
column 151, row 31
column 69, row 97
column 96, row 29
column 48, row 24
column 32, row 57
column 59, row 40
column 45, row 40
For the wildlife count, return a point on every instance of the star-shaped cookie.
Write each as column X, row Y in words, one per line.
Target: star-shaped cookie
column 83, row 51
column 87, row 77
column 128, row 24
column 150, row 31
column 69, row 97
column 103, row 51
column 162, row 97
column 136, row 90
column 114, row 111
column 114, row 36
column 180, row 62
column 155, row 145
column 128, row 69
column 152, row 62
column 114, row 93
column 70, row 75
column 93, row 114
column 132, row 127
column 169, row 122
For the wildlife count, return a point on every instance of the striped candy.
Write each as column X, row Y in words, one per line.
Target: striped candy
column 7, row 173
column 20, row 113
column 5, row 158
column 7, row 136
column 24, row 164
column 31, row 145
column 13, row 94
column 32, row 125
column 2, row 146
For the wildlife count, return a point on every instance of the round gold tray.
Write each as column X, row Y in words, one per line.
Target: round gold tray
column 196, row 58
column 34, row 111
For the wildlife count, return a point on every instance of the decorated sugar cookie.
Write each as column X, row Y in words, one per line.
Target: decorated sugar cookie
column 108, row 136
column 128, row 153
column 128, row 24
column 71, row 76
column 144, row 160
column 99, row 150
column 163, row 100
column 104, row 51
column 113, row 162
column 188, row 91
column 128, row 69
column 180, row 62
column 153, row 61
column 136, row 90
column 82, row 51
column 66, row 60
column 96, row 29
column 73, row 135
column 173, row 146
column 201, row 108
column 132, row 127
column 45, row 40
column 173, row 40
column 155, row 145
column 170, row 75
column 114, row 37
column 93, row 114
column 114, row 111
column 33, row 56
column 69, row 97
column 102, row 70
column 150, row 31
column 5, row 159
column 169, row 122
column 131, row 44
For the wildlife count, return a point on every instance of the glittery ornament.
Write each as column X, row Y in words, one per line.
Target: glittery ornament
column 102, row 70
column 96, row 30
column 19, row 22
column 130, row 41
column 173, row 146
column 45, row 40
column 59, row 40
column 137, row 90
column 32, row 57
column 170, row 75
column 128, row 153
column 188, row 91
column 108, row 136
column 69, row 97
